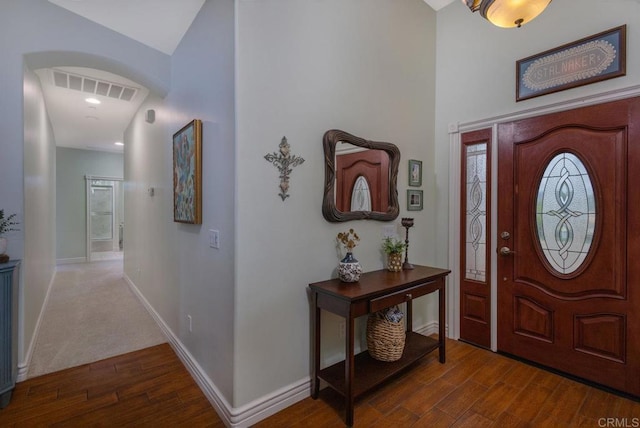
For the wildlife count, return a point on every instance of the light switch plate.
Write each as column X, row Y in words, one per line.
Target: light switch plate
column 214, row 238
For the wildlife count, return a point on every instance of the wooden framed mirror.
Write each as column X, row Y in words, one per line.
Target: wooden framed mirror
column 360, row 178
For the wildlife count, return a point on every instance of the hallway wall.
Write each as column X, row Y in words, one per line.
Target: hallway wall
column 71, row 196
column 172, row 263
column 38, row 222
column 27, row 29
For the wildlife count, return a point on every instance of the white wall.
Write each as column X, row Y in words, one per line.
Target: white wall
column 72, row 165
column 172, row 263
column 304, row 67
column 38, row 223
column 476, row 69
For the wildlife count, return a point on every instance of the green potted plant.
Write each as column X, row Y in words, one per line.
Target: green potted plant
column 6, row 225
column 393, row 248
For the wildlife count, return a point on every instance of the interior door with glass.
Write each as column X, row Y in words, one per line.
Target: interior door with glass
column 568, row 242
column 101, row 211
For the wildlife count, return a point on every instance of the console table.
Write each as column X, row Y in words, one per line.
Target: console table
column 375, row 291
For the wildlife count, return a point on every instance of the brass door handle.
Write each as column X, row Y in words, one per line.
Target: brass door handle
column 506, row 251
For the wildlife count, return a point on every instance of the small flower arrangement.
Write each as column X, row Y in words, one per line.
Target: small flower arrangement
column 6, row 224
column 348, row 239
column 393, row 246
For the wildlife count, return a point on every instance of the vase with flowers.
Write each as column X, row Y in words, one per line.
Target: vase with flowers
column 349, row 269
column 393, row 248
column 6, row 225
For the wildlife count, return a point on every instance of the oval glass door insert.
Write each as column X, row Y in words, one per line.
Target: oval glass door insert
column 565, row 213
column 361, row 195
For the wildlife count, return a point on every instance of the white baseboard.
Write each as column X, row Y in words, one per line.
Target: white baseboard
column 243, row 416
column 257, row 410
column 428, row 329
column 71, row 261
column 270, row 404
column 23, row 367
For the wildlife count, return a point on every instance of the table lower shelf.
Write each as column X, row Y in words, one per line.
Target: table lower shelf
column 370, row 372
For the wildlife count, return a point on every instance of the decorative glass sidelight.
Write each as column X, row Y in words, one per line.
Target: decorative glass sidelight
column 565, row 213
column 361, row 195
column 476, row 212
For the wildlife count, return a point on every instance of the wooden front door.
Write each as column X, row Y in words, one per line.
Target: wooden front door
column 366, row 172
column 568, row 242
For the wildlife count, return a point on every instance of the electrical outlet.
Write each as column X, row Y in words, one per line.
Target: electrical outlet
column 341, row 328
column 190, row 323
column 389, row 230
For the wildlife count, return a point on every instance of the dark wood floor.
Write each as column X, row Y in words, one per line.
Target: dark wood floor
column 475, row 388
column 147, row 388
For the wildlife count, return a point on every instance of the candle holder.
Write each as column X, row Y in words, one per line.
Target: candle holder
column 407, row 223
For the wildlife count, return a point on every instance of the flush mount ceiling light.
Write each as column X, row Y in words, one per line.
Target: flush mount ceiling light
column 118, row 143
column 92, row 100
column 508, row 13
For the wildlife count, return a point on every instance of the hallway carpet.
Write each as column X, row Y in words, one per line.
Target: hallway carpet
column 91, row 315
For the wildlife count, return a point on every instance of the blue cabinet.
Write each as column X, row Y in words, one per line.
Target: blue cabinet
column 8, row 330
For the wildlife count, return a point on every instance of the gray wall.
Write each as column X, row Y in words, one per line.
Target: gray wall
column 71, row 210
column 203, row 86
column 172, row 263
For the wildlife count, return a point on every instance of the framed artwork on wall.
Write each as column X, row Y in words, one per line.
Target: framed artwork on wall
column 592, row 59
column 187, row 174
column 415, row 173
column 414, row 200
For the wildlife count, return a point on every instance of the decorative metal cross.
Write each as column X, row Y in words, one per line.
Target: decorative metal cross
column 285, row 162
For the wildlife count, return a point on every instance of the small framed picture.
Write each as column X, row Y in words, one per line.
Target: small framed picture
column 415, row 173
column 414, row 200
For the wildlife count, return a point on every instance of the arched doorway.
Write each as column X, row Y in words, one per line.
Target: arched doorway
column 40, row 172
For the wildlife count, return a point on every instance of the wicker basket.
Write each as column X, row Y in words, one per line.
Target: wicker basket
column 385, row 339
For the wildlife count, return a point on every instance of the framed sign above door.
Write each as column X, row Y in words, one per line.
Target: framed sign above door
column 592, row 59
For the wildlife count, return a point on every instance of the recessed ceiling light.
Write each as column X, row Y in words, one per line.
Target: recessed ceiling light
column 118, row 143
column 92, row 100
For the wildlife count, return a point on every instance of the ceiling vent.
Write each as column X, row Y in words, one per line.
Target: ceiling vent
column 62, row 79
